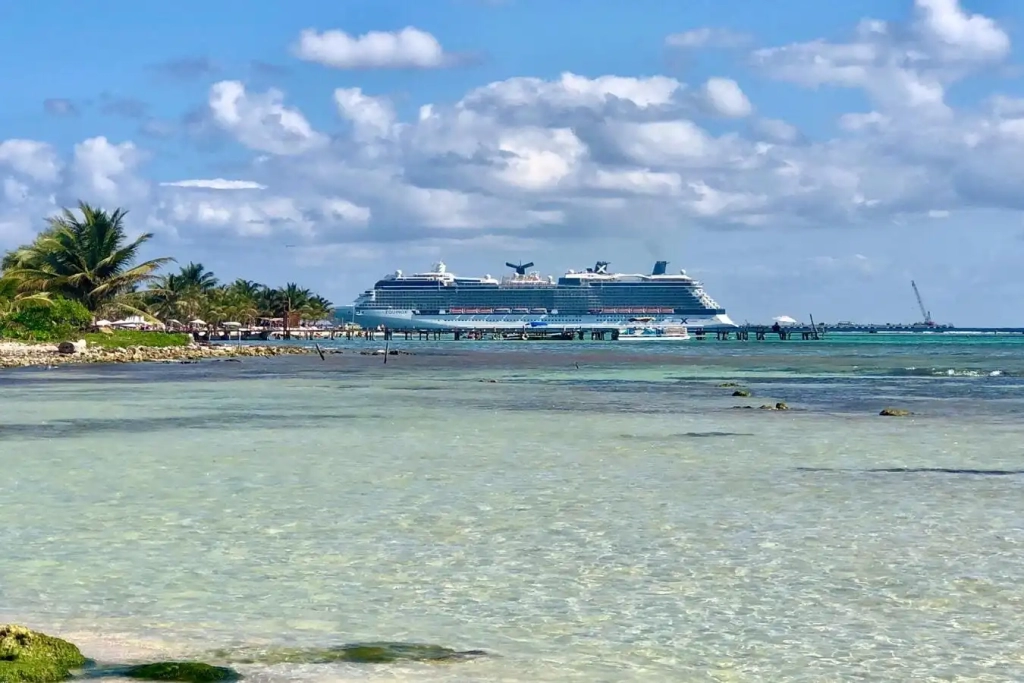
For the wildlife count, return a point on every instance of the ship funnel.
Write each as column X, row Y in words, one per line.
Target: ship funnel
column 660, row 268
column 520, row 267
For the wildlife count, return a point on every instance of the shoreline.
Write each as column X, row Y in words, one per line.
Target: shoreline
column 24, row 355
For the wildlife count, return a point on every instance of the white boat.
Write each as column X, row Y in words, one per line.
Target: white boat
column 654, row 333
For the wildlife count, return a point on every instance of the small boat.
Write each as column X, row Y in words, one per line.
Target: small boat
column 654, row 333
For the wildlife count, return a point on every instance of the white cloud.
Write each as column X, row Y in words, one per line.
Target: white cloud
column 408, row 48
column 707, row 37
column 725, row 98
column 777, row 130
column 898, row 67
column 105, row 172
column 262, row 121
column 572, row 90
column 956, row 35
column 37, row 160
column 346, row 211
column 216, row 184
column 578, row 157
column 371, row 117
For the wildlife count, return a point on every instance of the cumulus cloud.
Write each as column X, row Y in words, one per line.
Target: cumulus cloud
column 724, row 97
column 574, row 157
column 36, row 160
column 105, row 171
column 404, row 49
column 955, row 35
column 908, row 67
column 262, row 121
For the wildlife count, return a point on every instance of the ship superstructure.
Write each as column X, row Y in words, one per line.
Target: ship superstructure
column 593, row 297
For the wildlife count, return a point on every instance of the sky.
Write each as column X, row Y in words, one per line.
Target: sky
column 799, row 157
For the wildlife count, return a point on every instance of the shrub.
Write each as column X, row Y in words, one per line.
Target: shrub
column 45, row 322
column 121, row 339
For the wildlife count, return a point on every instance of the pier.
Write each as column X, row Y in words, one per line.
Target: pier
column 537, row 333
column 743, row 333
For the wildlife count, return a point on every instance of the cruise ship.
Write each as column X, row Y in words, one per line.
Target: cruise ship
column 592, row 298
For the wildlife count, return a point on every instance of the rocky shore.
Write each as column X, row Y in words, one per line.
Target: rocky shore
column 27, row 656
column 18, row 355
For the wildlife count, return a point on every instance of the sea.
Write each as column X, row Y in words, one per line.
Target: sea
column 582, row 511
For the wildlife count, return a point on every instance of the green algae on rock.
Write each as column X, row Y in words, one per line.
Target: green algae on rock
column 894, row 412
column 359, row 653
column 741, row 393
column 185, row 672
column 27, row 656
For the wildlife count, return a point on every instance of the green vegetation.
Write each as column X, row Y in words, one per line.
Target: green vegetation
column 82, row 267
column 121, row 339
column 185, row 672
column 30, row 657
column 39, row 320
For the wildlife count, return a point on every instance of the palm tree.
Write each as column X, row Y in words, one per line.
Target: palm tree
column 286, row 302
column 246, row 288
column 319, row 308
column 11, row 299
column 85, row 258
column 194, row 275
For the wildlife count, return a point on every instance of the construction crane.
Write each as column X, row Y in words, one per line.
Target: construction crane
column 920, row 304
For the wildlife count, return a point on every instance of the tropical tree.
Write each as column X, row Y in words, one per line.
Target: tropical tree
column 85, row 257
column 286, row 302
column 12, row 299
column 194, row 275
column 319, row 308
column 246, row 288
column 183, row 294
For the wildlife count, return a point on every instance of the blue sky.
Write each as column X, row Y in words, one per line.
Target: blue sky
column 800, row 157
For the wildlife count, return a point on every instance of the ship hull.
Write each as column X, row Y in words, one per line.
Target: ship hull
column 396, row 319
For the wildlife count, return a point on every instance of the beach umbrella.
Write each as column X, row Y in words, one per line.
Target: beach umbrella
column 784, row 320
column 197, row 321
column 232, row 324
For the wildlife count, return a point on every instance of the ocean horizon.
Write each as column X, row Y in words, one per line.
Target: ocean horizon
column 582, row 511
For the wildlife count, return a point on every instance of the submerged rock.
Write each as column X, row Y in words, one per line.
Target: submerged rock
column 728, row 385
column 185, row 672
column 27, row 656
column 741, row 392
column 778, row 406
column 894, row 412
column 359, row 653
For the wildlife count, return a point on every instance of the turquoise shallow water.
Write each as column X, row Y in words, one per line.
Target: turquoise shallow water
column 597, row 513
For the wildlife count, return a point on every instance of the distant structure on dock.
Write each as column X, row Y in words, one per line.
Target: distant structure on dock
column 594, row 298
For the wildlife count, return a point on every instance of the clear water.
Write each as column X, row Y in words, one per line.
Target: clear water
column 598, row 513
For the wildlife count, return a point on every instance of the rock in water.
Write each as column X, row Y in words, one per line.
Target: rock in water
column 358, row 653
column 30, row 657
column 185, row 672
column 741, row 392
column 894, row 412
